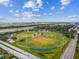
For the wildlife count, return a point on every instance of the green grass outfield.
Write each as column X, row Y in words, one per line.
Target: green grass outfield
column 49, row 46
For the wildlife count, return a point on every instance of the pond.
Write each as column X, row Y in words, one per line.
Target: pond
column 49, row 48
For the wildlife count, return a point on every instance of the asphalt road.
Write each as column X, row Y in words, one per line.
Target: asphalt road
column 15, row 53
column 70, row 50
column 19, row 50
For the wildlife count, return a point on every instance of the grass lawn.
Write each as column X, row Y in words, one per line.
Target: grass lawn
column 47, row 45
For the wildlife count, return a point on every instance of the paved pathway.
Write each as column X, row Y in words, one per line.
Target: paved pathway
column 70, row 50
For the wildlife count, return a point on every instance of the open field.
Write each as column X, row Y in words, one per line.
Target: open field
column 46, row 45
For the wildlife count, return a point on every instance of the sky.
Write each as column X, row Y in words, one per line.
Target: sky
column 39, row 10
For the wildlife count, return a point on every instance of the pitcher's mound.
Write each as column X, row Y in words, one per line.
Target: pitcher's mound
column 41, row 40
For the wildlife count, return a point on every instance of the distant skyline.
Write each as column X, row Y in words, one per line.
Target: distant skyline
column 39, row 10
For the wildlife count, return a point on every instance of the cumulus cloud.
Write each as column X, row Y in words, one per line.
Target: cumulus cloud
column 35, row 9
column 45, row 14
column 50, row 14
column 17, row 11
column 73, row 18
column 1, row 18
column 30, row 15
column 62, row 7
column 16, row 14
column 27, row 14
column 29, row 4
column 4, row 2
column 39, row 3
column 53, row 8
column 47, row 2
column 24, row 19
column 33, row 4
column 11, row 11
column 64, row 3
column 11, row 5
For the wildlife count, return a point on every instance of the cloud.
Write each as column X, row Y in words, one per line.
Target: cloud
column 29, row 4
column 33, row 4
column 17, row 11
column 35, row 9
column 30, row 15
column 27, row 14
column 62, row 7
column 47, row 2
column 64, row 3
column 50, row 14
column 4, row 2
column 16, row 14
column 53, row 8
column 11, row 11
column 1, row 18
column 36, row 16
column 45, row 14
column 39, row 3
column 24, row 19
column 72, row 18
column 11, row 5
column 14, row 11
